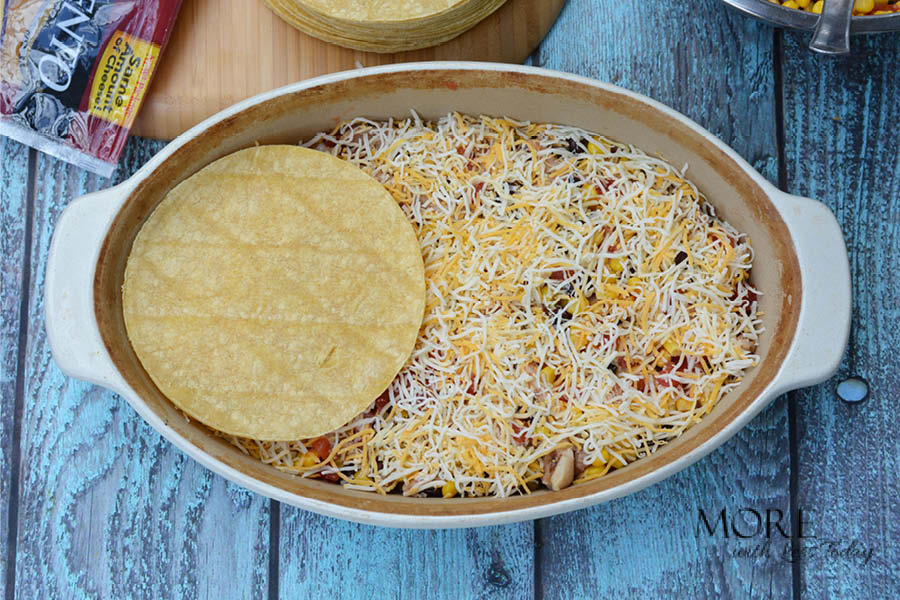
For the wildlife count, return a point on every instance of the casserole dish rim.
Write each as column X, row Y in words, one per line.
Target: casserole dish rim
column 803, row 364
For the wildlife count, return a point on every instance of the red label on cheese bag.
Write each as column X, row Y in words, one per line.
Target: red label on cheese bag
column 74, row 73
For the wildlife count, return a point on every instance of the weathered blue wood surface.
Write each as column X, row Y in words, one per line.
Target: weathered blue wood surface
column 651, row 543
column 105, row 508
column 323, row 558
column 13, row 195
column 842, row 144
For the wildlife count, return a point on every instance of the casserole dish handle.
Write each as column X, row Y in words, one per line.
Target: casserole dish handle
column 823, row 327
column 72, row 330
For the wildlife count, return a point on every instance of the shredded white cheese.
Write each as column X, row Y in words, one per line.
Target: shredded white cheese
column 579, row 293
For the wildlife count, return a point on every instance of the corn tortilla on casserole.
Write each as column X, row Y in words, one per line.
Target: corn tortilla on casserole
column 584, row 306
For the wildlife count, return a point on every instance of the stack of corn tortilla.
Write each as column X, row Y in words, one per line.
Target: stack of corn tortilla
column 384, row 25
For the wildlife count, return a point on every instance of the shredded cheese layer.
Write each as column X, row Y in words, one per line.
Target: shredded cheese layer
column 580, row 293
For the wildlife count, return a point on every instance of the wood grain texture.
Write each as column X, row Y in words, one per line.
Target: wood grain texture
column 13, row 206
column 225, row 51
column 651, row 544
column 325, row 558
column 842, row 147
column 107, row 508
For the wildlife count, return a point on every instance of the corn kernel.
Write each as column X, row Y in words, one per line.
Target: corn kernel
column 548, row 374
column 580, row 304
column 613, row 291
column 790, row 4
column 682, row 405
column 579, row 338
column 592, row 472
column 309, row 459
column 864, row 6
column 670, row 345
column 802, row 3
column 614, row 462
column 593, row 148
column 817, row 6
column 448, row 490
column 615, row 265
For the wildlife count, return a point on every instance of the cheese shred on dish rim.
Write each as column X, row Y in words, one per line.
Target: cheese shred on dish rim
column 579, row 294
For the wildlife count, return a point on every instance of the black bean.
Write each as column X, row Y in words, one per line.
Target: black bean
column 558, row 314
column 680, row 257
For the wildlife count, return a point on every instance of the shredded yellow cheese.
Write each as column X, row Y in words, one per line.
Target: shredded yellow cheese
column 579, row 293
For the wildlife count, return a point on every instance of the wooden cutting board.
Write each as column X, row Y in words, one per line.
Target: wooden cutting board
column 223, row 51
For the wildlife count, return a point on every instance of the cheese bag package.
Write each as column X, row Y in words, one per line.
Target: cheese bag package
column 73, row 73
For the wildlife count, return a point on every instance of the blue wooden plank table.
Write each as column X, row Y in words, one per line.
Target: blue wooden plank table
column 95, row 504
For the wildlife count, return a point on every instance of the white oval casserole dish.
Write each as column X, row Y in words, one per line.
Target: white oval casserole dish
column 800, row 266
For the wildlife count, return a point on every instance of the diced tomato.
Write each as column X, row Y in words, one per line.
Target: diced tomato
column 561, row 274
column 478, row 187
column 664, row 382
column 603, row 185
column 749, row 298
column 321, row 446
column 601, row 340
column 520, row 433
column 668, row 367
column 380, row 402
